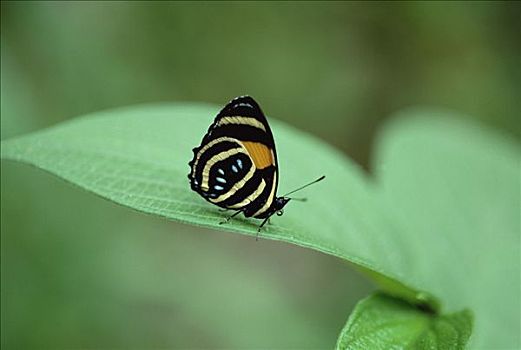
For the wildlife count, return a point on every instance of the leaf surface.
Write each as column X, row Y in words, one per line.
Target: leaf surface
column 382, row 322
column 138, row 157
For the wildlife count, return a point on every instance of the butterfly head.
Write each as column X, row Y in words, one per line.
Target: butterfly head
column 279, row 203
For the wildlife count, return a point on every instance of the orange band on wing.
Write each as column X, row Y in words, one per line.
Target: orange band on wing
column 261, row 154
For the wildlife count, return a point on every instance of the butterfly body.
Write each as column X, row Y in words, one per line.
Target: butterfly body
column 235, row 167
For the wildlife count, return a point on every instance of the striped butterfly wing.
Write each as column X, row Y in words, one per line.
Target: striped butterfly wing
column 236, row 165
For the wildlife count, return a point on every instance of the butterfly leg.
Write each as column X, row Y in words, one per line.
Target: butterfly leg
column 230, row 217
column 260, row 227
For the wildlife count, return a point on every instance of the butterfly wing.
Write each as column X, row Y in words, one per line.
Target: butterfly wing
column 236, row 165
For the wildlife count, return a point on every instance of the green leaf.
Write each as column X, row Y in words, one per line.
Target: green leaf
column 453, row 186
column 139, row 157
column 443, row 217
column 383, row 322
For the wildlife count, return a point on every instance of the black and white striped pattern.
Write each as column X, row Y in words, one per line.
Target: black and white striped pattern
column 235, row 167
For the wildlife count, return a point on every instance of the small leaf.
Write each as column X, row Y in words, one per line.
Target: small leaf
column 383, row 322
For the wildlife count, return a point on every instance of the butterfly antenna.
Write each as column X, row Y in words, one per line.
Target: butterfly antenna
column 309, row 184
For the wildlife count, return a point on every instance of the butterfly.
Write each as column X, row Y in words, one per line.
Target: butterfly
column 236, row 167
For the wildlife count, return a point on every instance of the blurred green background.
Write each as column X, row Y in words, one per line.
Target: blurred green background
column 78, row 271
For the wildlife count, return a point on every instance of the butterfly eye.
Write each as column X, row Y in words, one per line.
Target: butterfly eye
column 280, row 212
